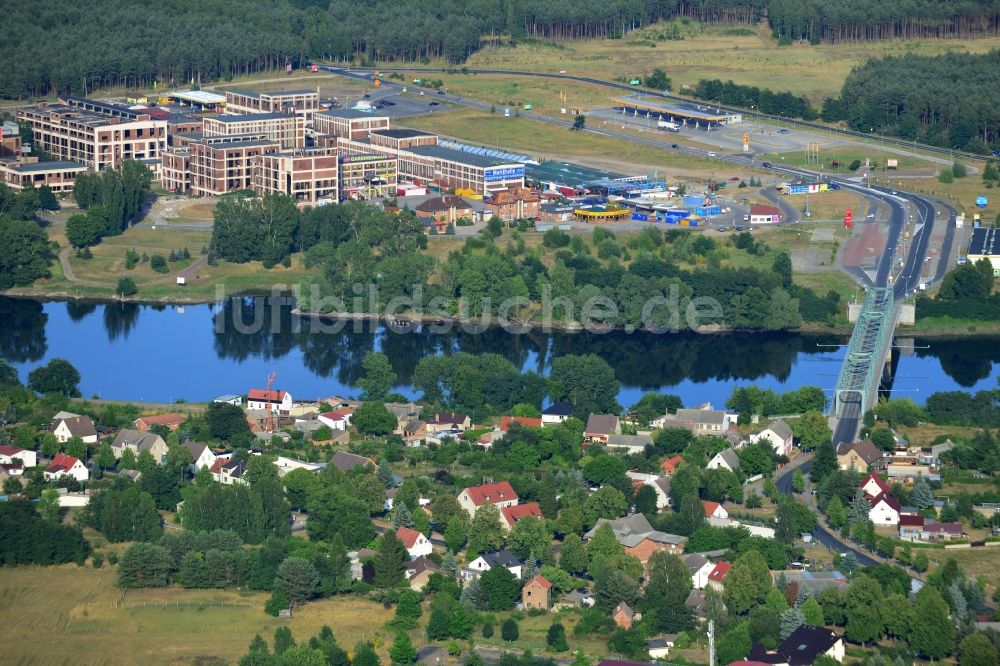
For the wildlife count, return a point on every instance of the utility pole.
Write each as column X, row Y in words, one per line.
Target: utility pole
column 711, row 643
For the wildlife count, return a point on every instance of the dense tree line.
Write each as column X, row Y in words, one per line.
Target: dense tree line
column 762, row 100
column 255, row 511
column 110, row 199
column 965, row 293
column 24, row 245
column 66, row 47
column 26, row 537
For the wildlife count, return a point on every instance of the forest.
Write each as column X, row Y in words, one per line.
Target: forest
column 61, row 47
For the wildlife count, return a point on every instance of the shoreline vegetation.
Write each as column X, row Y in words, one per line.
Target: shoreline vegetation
column 928, row 328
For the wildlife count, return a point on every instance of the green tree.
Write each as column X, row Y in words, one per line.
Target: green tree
column 402, row 651
column 389, row 559
column 791, row 619
column 24, row 253
column 408, row 610
column 614, row 588
column 691, row 515
column 333, row 513
column 556, row 637
column 454, row 534
column 977, row 650
column 372, row 418
column 365, row 655
column 667, row 591
column 85, row 230
column 47, row 200
column 812, row 612
column 579, row 122
column 298, row 579
column 587, row 382
column 798, row 481
column 48, row 505
column 500, row 588
column 379, row 376
column 144, row 565
column 57, row 376
column 573, row 555
column 508, row 630
column 657, row 80
column 283, row 640
column 225, row 421
column 529, row 539
column 782, row 267
column 740, row 590
column 605, row 502
column 932, row 633
column 862, row 605
column 485, row 532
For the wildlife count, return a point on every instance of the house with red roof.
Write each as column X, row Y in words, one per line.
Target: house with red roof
column 279, row 402
column 873, row 485
column 717, row 576
column 714, row 510
column 911, row 526
column 537, row 594
column 415, row 542
column 64, row 465
column 884, row 509
column 523, row 421
column 499, row 494
column 511, row 514
column 10, row 455
column 171, row 421
column 338, row 419
column 669, row 466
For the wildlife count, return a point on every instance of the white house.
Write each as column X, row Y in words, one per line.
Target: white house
column 659, row 484
column 138, row 442
column 64, row 465
column 884, row 510
column 73, row 425
column 415, row 542
column 725, row 459
column 277, row 401
column 286, row 465
column 873, row 485
column 699, row 567
column 501, row 494
column 715, row 510
column 338, row 419
column 556, row 413
column 201, row 456
column 779, row 435
column 11, row 454
column 235, row 400
column 486, row 561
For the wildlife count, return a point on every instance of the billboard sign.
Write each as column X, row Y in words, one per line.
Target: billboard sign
column 495, row 174
column 848, row 218
column 981, row 201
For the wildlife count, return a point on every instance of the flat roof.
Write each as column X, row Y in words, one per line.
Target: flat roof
column 270, row 93
column 565, row 173
column 461, row 157
column 351, row 114
column 244, row 117
column 197, row 96
column 402, row 133
column 241, row 144
column 699, row 112
column 44, row 166
column 985, row 242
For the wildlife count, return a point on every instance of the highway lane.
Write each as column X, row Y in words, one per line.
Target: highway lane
column 365, row 73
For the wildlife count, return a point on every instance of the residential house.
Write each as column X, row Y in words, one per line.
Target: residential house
column 201, row 456
column 11, row 470
column 942, row 531
column 807, row 644
column 639, row 538
column 537, row 594
column 907, row 472
column 873, row 485
column 911, row 527
column 228, row 471
column 279, row 402
column 439, row 212
column 448, row 421
column 404, row 412
column 934, row 457
column 511, row 514
column 513, row 204
column 500, row 494
column 415, row 542
column 813, row 581
column 556, row 413
column 669, row 466
column 659, row 648
column 523, row 421
column 884, row 509
column 717, row 576
column 779, row 435
column 338, row 419
column 699, row 567
column 170, row 421
column 10, row 454
column 74, row 425
column 414, row 432
column 624, row 616
column 659, row 484
column 345, row 461
column 286, row 465
column 859, row 455
column 229, row 399
column 696, row 603
column 630, row 443
column 486, row 561
column 418, row 572
column 715, row 510
column 64, row 465
column 698, row 421
column 725, row 459
column 600, row 426
column 137, row 442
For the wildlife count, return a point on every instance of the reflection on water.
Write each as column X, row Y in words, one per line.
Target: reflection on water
column 131, row 351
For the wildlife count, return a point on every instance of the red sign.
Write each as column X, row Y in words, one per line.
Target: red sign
column 847, row 218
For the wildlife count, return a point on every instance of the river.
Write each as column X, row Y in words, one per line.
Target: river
column 126, row 351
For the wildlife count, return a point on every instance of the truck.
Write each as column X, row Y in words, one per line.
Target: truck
column 668, row 126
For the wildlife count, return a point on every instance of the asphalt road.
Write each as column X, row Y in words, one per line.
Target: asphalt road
column 364, row 73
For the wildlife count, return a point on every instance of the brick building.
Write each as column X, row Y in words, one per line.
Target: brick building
column 303, row 103
column 514, row 204
column 287, row 130
column 214, row 165
column 309, row 175
column 348, row 123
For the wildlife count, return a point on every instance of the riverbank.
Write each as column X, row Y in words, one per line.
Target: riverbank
column 928, row 328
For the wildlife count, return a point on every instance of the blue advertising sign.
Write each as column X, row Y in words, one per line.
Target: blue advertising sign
column 981, row 201
column 503, row 173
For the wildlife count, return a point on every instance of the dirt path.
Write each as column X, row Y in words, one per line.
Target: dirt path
column 71, row 276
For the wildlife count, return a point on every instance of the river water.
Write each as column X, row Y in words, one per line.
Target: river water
column 162, row 353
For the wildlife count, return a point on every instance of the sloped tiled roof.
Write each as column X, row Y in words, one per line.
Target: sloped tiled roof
column 408, row 536
column 512, row 514
column 492, row 492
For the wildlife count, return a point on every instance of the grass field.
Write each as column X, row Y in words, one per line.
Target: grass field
column 975, row 562
column 746, row 55
column 847, row 154
column 68, row 615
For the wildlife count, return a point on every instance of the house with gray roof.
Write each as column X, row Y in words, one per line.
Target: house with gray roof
column 779, row 435
column 138, row 442
column 698, row 421
column 725, row 459
column 630, row 443
column 601, row 426
column 639, row 538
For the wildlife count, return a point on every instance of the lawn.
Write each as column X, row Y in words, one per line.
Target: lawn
column 746, row 55
column 974, row 561
column 73, row 615
column 844, row 155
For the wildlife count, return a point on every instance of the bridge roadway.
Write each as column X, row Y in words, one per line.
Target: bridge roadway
column 872, row 336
